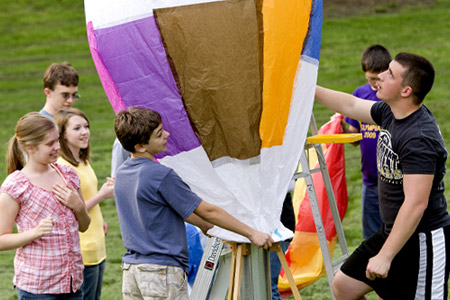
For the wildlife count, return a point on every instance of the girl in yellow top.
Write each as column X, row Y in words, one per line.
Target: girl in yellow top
column 74, row 135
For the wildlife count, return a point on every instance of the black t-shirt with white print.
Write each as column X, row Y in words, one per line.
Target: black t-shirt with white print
column 413, row 145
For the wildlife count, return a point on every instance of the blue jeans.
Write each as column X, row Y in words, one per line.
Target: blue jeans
column 78, row 295
column 93, row 279
column 275, row 268
column 371, row 220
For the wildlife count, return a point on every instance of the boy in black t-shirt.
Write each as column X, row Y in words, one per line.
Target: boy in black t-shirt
column 408, row 257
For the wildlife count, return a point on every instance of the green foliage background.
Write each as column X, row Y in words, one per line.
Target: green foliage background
column 37, row 33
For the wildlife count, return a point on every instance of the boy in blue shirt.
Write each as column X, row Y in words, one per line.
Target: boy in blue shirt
column 153, row 202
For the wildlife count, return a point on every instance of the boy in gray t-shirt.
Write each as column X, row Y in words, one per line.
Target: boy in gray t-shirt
column 153, row 202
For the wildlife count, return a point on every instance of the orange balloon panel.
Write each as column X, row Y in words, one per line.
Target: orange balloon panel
column 281, row 63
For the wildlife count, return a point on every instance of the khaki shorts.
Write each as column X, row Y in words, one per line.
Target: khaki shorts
column 148, row 281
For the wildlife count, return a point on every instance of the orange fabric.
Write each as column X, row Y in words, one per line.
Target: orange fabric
column 308, row 267
column 304, row 255
column 280, row 63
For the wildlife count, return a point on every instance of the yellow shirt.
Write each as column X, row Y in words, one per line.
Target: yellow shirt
column 92, row 241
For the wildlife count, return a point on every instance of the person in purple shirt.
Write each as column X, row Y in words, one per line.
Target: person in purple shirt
column 374, row 60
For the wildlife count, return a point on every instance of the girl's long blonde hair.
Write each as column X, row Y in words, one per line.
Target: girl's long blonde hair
column 31, row 130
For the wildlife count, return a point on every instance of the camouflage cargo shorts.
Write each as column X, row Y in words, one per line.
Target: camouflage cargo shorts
column 148, row 281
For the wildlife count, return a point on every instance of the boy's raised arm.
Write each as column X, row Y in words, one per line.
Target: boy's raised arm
column 346, row 104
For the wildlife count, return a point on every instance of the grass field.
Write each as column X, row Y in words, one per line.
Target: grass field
column 37, row 33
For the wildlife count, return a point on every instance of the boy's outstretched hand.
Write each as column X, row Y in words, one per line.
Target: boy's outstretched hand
column 261, row 239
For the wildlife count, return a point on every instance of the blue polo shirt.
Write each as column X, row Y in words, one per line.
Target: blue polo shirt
column 152, row 202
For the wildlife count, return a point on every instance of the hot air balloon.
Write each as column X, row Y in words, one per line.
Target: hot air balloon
column 234, row 82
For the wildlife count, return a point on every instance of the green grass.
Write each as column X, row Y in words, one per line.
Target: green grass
column 34, row 35
column 37, row 33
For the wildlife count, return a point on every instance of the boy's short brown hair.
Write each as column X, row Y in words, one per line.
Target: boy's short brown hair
column 135, row 125
column 418, row 74
column 62, row 73
column 375, row 59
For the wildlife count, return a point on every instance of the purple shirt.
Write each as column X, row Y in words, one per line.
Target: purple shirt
column 368, row 144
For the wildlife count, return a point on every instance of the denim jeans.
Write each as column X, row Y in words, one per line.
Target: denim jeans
column 93, row 279
column 275, row 268
column 23, row 295
column 371, row 220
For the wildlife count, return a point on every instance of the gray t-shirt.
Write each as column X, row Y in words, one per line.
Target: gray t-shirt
column 152, row 202
column 119, row 156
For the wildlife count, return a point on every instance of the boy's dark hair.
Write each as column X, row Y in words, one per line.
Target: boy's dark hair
column 135, row 125
column 419, row 74
column 62, row 73
column 375, row 59
column 62, row 119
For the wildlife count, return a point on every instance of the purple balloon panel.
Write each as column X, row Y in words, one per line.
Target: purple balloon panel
column 135, row 59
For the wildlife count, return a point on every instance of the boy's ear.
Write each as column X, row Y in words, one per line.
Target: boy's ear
column 406, row 91
column 47, row 91
column 139, row 148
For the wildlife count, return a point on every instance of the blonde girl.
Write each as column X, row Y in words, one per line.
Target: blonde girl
column 43, row 199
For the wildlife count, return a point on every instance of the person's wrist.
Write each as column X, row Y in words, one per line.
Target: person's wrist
column 207, row 226
column 36, row 233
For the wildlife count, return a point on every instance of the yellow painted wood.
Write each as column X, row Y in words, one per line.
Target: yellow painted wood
column 334, row 138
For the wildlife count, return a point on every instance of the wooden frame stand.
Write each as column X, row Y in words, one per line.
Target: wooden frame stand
column 239, row 250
